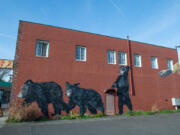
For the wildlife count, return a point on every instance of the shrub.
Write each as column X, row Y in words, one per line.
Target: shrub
column 19, row 113
column 154, row 108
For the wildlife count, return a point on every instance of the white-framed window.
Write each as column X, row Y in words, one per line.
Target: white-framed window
column 80, row 53
column 137, row 60
column 111, row 57
column 154, row 62
column 170, row 64
column 42, row 48
column 122, row 58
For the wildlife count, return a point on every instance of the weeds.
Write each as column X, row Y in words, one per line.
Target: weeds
column 19, row 113
column 154, row 108
column 138, row 113
column 25, row 113
column 72, row 116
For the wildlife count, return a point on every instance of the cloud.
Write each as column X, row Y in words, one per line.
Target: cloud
column 117, row 8
column 7, row 36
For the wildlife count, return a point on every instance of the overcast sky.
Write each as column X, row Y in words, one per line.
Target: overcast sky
column 150, row 21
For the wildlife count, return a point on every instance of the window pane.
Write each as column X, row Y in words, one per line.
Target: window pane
column 122, row 58
column 80, row 53
column 77, row 53
column 111, row 56
column 114, row 57
column 170, row 64
column 42, row 48
column 154, row 62
column 137, row 60
column 38, row 49
column 108, row 57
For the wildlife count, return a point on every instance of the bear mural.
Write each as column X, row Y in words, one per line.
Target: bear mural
column 44, row 93
column 84, row 98
column 122, row 86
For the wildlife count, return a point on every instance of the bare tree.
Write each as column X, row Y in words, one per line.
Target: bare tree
column 3, row 73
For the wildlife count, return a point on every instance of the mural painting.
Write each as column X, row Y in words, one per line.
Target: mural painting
column 166, row 72
column 84, row 98
column 44, row 93
column 122, row 86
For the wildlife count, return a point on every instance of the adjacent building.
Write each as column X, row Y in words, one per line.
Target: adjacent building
column 6, row 71
column 49, row 53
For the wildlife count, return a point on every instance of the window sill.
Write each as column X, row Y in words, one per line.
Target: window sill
column 42, row 56
column 81, row 60
column 155, row 68
column 138, row 66
column 123, row 64
column 111, row 63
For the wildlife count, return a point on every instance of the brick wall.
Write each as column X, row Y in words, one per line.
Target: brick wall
column 95, row 73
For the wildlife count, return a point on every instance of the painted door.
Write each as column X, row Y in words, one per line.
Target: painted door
column 110, row 110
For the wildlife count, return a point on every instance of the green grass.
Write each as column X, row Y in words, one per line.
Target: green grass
column 138, row 113
column 13, row 120
column 169, row 111
column 129, row 113
column 75, row 116
column 149, row 113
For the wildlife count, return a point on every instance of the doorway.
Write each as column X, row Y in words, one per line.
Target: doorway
column 110, row 101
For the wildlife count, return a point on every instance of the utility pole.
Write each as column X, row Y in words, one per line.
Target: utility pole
column 177, row 52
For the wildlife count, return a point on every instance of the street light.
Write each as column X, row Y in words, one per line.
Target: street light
column 177, row 47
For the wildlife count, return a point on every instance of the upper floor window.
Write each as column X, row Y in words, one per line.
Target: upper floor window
column 42, row 48
column 122, row 58
column 154, row 62
column 80, row 53
column 170, row 64
column 137, row 60
column 111, row 57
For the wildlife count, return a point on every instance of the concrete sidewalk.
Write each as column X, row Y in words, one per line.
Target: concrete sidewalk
column 2, row 121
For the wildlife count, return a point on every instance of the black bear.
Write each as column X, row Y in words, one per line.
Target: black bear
column 84, row 98
column 44, row 93
column 122, row 86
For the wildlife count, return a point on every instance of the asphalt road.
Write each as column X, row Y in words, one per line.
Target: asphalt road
column 164, row 124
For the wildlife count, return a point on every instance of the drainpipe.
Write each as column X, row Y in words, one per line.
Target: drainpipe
column 131, row 79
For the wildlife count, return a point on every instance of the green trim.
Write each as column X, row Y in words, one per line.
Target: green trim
column 5, row 84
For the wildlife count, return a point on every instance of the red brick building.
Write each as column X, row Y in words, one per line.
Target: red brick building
column 48, row 53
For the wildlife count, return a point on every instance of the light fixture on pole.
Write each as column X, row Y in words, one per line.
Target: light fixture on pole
column 177, row 47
